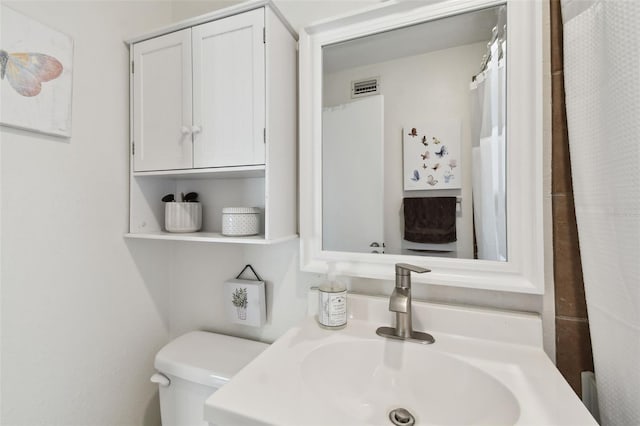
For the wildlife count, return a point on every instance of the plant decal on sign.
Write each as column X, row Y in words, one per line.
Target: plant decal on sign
column 239, row 300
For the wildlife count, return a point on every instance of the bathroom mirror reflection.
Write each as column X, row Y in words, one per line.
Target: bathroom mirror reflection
column 414, row 142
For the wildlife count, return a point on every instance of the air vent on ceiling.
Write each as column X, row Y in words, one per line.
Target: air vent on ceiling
column 366, row 87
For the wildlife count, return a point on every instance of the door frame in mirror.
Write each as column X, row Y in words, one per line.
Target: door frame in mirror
column 523, row 272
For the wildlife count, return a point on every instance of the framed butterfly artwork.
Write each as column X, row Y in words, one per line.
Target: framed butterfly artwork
column 36, row 75
column 431, row 154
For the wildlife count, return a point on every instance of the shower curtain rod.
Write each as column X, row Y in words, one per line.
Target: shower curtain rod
column 497, row 33
column 487, row 56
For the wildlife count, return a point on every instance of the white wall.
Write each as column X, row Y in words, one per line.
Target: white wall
column 298, row 12
column 301, row 13
column 83, row 310
column 183, row 9
column 201, row 269
column 433, row 85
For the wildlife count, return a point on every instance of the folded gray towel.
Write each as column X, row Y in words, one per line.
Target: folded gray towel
column 430, row 220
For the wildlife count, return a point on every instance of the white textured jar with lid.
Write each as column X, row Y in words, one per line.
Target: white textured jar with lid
column 240, row 221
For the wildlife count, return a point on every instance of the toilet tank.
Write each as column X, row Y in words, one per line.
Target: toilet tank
column 192, row 367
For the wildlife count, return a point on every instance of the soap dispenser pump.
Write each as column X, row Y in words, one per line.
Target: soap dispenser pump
column 332, row 301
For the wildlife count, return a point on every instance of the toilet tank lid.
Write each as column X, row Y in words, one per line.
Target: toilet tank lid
column 207, row 358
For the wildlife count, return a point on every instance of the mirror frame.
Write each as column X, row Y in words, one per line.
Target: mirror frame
column 523, row 272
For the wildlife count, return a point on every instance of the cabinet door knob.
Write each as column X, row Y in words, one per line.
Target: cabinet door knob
column 196, row 129
column 185, row 130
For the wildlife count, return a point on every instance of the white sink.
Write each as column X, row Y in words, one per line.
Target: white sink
column 363, row 380
column 485, row 368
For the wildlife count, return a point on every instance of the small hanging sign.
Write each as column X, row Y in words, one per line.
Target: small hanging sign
column 245, row 301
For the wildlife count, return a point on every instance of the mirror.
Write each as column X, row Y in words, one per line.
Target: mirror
column 414, row 139
column 427, row 104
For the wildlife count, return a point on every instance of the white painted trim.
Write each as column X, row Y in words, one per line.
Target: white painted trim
column 208, row 237
column 394, row 14
column 131, row 140
column 524, row 270
column 281, row 97
column 212, row 172
column 217, row 14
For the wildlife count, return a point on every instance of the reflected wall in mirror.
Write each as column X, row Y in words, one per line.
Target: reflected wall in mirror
column 414, row 141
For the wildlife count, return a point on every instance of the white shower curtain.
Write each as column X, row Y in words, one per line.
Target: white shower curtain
column 488, row 109
column 602, row 83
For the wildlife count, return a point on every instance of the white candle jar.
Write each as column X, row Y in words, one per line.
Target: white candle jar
column 240, row 221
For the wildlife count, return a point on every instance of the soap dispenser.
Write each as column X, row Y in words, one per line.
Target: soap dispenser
column 332, row 301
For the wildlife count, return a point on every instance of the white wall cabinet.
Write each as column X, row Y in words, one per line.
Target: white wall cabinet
column 199, row 96
column 214, row 110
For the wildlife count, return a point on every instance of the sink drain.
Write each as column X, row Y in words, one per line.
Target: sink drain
column 401, row 417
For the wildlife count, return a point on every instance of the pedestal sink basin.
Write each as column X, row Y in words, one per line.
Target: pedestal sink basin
column 365, row 380
column 485, row 368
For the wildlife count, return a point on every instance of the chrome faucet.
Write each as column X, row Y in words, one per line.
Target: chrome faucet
column 400, row 303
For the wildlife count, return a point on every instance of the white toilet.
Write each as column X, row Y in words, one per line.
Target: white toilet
column 194, row 366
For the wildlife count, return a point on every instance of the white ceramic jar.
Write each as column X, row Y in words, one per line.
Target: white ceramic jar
column 240, row 221
column 182, row 217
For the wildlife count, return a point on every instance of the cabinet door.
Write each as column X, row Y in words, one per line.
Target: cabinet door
column 162, row 107
column 229, row 91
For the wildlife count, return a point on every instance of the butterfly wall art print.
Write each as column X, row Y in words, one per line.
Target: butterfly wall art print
column 431, row 154
column 26, row 72
column 36, row 74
